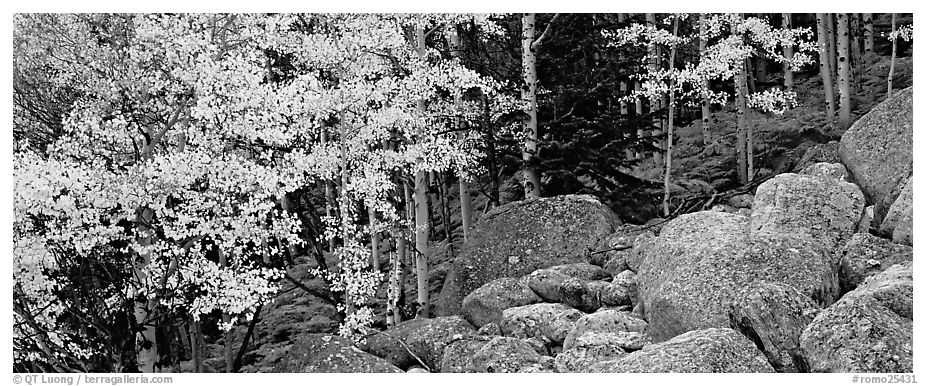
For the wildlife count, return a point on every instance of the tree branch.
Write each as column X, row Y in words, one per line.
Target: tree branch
column 546, row 32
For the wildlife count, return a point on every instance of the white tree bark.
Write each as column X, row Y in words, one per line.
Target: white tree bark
column 466, row 201
column 789, row 53
column 869, row 27
column 825, row 75
column 890, row 73
column 842, row 41
column 530, row 175
column 422, row 231
column 671, row 124
column 706, row 132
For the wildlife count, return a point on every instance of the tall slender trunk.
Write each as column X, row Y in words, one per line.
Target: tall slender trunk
column 855, row 58
column 706, row 133
column 227, row 336
column 625, row 112
column 396, row 277
column 442, row 180
column 343, row 198
column 890, row 73
column 825, row 75
column 671, row 124
column 652, row 52
column 831, row 44
column 638, row 108
column 466, row 201
column 869, row 26
column 842, row 41
column 329, row 193
column 196, row 339
column 421, row 210
column 146, row 347
column 530, row 175
column 742, row 164
column 488, row 136
column 374, row 240
column 789, row 53
column 761, row 71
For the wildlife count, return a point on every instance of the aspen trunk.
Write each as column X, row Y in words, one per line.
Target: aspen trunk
column 530, row 175
column 842, row 30
column 706, row 133
column 421, row 211
column 146, row 347
column 761, row 71
column 789, row 53
column 831, row 44
column 670, row 127
column 466, row 201
column 653, row 54
column 869, row 26
column 374, row 240
column 227, row 336
column 197, row 346
column 494, row 174
column 742, row 166
column 825, row 75
column 638, row 108
column 628, row 135
column 329, row 193
column 855, row 58
column 890, row 73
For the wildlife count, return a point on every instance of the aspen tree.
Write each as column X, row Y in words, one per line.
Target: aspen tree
column 788, row 53
column 890, row 73
column 869, row 27
column 705, row 85
column 842, row 41
column 671, row 124
column 825, row 75
column 466, row 201
column 530, row 175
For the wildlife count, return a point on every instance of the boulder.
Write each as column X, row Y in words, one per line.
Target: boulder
column 589, row 349
column 898, row 222
column 691, row 273
column 548, row 320
column 773, row 315
column 518, row 238
column 323, row 353
column 459, row 356
column 426, row 338
column 485, row 304
column 593, row 347
column 628, row 279
column 866, row 255
column 878, row 150
column 715, row 350
column 555, row 286
column 498, row 355
column 835, row 171
column 604, row 320
column 793, row 204
column 869, row 330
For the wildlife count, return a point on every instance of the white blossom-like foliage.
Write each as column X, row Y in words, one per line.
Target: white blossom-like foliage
column 731, row 40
